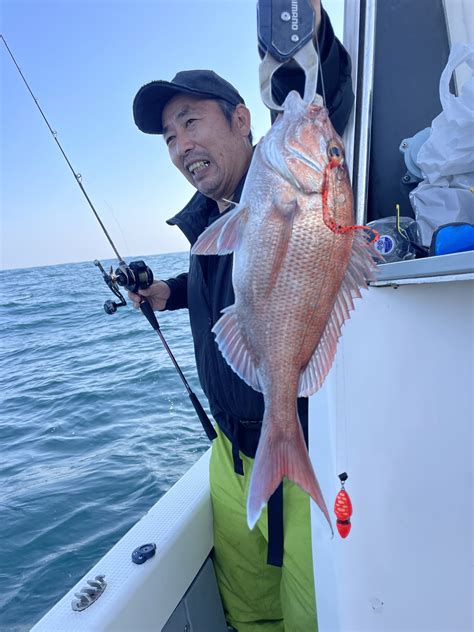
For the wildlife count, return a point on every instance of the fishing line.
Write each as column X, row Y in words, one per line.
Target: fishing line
column 117, row 223
column 320, row 70
column 343, row 453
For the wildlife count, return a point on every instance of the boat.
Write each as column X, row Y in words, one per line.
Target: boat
column 395, row 412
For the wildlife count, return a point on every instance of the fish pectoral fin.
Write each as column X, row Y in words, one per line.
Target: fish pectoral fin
column 361, row 267
column 224, row 235
column 283, row 213
column 235, row 351
column 279, row 456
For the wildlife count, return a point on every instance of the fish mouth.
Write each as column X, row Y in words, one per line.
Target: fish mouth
column 197, row 166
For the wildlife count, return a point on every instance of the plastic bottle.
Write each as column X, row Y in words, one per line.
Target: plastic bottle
column 399, row 239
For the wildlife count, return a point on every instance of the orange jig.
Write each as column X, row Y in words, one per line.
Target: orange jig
column 343, row 509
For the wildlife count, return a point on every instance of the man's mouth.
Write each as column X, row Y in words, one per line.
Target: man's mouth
column 199, row 165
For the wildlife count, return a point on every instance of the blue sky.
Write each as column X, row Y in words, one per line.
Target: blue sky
column 85, row 61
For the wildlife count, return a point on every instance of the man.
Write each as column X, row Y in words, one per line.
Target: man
column 265, row 576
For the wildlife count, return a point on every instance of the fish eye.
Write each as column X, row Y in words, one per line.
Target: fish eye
column 335, row 151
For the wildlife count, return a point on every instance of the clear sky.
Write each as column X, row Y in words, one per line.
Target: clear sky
column 85, row 61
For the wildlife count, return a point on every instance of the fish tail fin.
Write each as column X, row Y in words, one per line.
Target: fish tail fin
column 278, row 456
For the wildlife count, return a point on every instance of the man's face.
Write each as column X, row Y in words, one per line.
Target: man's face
column 210, row 152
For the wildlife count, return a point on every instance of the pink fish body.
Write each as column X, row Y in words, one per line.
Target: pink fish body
column 296, row 268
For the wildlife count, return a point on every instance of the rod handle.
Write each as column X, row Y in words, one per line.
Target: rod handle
column 203, row 418
column 149, row 313
column 201, row 413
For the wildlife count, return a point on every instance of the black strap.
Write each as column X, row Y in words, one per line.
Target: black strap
column 275, row 508
column 275, row 527
column 238, row 464
column 275, row 504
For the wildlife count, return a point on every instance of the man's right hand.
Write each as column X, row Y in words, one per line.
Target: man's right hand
column 157, row 295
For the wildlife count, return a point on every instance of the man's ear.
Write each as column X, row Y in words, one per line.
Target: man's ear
column 241, row 118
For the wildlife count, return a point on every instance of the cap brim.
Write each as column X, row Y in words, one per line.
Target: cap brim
column 151, row 100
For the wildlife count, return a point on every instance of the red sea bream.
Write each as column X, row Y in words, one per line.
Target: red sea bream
column 298, row 264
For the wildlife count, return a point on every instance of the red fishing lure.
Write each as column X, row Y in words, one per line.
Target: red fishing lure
column 336, row 161
column 343, row 509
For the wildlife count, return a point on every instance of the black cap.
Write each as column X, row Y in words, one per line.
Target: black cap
column 151, row 99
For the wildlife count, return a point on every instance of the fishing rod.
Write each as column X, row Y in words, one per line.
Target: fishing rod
column 133, row 277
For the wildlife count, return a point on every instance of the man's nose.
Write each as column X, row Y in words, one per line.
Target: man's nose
column 184, row 144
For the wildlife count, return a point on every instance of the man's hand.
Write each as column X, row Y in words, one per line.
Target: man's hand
column 157, row 295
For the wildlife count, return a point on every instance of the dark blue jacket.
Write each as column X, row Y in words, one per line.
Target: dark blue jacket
column 207, row 288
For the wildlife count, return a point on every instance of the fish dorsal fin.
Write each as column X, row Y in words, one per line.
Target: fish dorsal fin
column 224, row 235
column 233, row 348
column 360, row 269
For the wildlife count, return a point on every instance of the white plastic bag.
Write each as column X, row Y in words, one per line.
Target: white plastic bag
column 446, row 159
column 435, row 206
column 449, row 149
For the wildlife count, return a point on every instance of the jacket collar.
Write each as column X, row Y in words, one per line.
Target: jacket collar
column 194, row 218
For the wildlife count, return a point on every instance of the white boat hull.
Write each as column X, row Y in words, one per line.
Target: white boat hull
column 396, row 413
column 143, row 597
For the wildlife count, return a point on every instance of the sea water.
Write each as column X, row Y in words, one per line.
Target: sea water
column 95, row 426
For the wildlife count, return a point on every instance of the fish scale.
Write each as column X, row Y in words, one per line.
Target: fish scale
column 297, row 266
